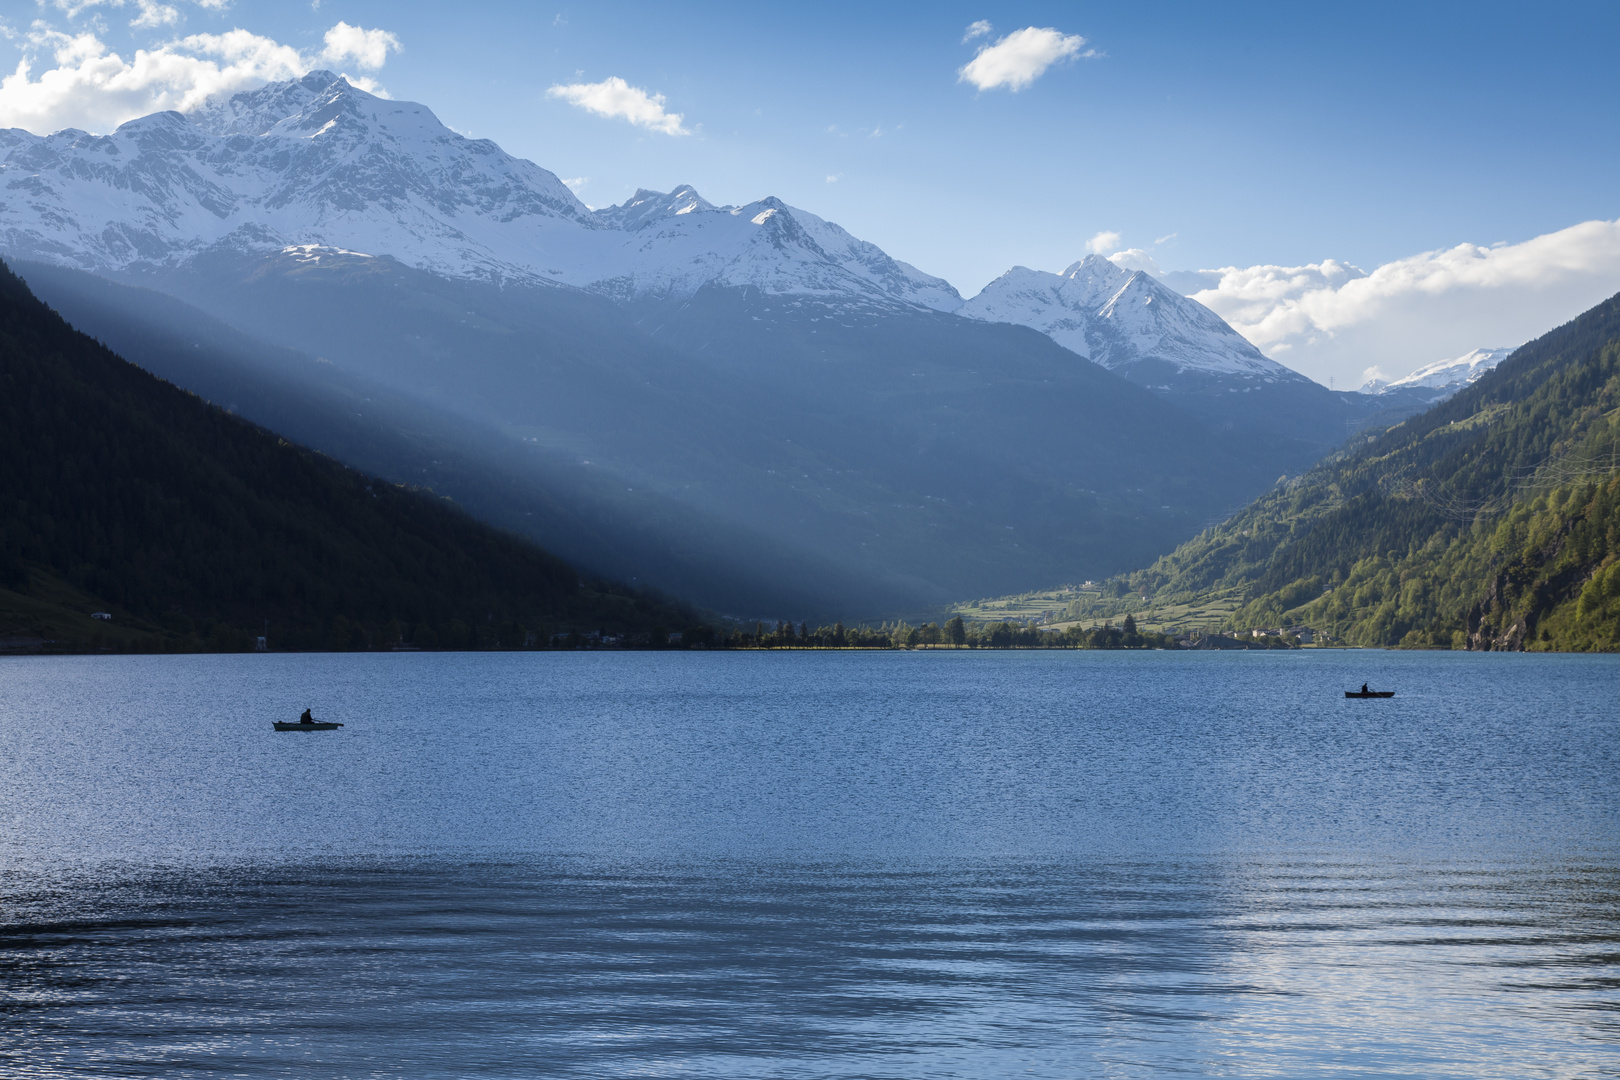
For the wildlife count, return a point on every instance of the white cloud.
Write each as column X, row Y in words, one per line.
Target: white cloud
column 833, row 178
column 154, row 14
column 977, row 30
column 1020, row 58
column 1135, row 259
column 575, row 183
column 613, row 97
column 74, row 8
column 1165, row 239
column 1331, row 318
column 93, row 88
column 1103, row 242
column 367, row 48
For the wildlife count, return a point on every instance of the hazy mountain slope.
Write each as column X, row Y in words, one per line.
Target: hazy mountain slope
column 198, row 528
column 583, row 514
column 1489, row 521
column 699, row 402
column 1008, row 452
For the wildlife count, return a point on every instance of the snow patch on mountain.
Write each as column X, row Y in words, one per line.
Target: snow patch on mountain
column 1119, row 318
column 1446, row 376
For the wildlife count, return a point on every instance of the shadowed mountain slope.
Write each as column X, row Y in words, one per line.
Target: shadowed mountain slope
column 585, row 514
column 920, row 453
column 195, row 528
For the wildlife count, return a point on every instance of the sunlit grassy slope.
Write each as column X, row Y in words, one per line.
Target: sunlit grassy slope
column 1490, row 522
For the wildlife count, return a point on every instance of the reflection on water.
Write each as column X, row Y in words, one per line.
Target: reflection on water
column 809, row 866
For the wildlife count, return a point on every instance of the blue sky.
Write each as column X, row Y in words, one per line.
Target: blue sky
column 1207, row 135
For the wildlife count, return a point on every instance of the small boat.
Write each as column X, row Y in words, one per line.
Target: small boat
column 1369, row 693
column 295, row 725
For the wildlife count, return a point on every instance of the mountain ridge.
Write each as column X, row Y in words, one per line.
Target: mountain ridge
column 316, row 161
column 755, row 362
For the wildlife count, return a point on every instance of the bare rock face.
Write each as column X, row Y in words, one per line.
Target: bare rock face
column 1506, row 617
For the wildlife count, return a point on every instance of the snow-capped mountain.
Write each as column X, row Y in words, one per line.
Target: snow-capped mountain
column 676, row 243
column 316, row 163
column 313, row 161
column 1120, row 319
column 1445, row 377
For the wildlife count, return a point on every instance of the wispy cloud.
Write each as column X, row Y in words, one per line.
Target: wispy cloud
column 1135, row 259
column 74, row 8
column 1333, row 318
column 977, row 29
column 1107, row 244
column 155, row 14
column 367, row 48
column 1103, row 243
column 152, row 14
column 613, row 97
column 1021, row 57
column 93, row 88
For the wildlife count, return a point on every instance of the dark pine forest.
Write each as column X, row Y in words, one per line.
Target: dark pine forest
column 193, row 529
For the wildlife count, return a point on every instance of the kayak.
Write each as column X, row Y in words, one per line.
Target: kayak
column 294, row 725
column 1369, row 693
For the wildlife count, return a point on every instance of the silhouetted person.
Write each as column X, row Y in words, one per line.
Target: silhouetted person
column 308, row 719
column 1364, row 690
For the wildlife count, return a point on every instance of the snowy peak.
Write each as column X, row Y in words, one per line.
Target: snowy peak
column 314, row 160
column 1444, row 376
column 647, row 207
column 1092, row 279
column 255, row 112
column 676, row 243
column 1121, row 319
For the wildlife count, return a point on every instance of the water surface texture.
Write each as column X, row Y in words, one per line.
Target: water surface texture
column 811, row 865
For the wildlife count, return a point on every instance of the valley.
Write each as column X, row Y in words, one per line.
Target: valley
column 744, row 406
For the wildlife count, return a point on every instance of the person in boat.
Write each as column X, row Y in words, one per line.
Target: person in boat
column 308, row 719
column 1364, row 690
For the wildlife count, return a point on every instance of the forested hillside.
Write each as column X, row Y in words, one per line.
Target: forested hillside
column 196, row 529
column 1490, row 522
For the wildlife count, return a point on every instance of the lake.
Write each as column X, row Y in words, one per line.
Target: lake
column 872, row 865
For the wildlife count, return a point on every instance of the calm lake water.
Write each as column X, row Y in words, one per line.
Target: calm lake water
column 811, row 865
